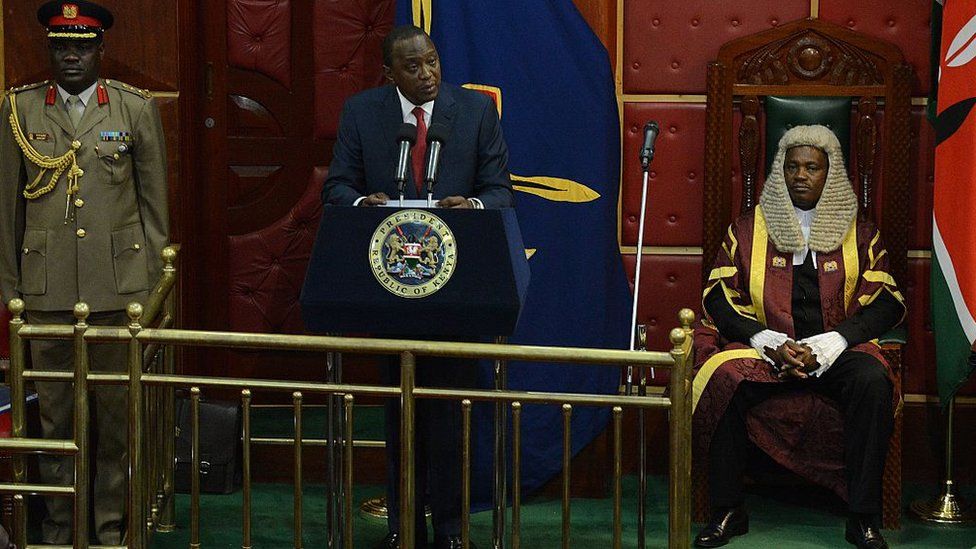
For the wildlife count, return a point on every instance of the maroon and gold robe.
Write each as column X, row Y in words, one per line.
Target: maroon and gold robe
column 800, row 430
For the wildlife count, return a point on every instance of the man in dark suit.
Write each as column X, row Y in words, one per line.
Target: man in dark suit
column 473, row 174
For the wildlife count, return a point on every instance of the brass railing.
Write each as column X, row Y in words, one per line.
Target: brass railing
column 151, row 456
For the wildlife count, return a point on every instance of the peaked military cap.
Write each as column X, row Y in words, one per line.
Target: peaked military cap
column 74, row 19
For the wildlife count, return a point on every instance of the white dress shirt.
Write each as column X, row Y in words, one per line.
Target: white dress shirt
column 805, row 217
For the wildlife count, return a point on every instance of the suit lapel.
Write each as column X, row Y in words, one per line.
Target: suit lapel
column 56, row 113
column 445, row 107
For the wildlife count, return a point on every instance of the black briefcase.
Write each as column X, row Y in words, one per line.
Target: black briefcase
column 220, row 446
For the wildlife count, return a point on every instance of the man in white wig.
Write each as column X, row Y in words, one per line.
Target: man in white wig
column 787, row 358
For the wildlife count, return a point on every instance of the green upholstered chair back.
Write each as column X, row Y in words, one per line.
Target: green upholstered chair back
column 783, row 113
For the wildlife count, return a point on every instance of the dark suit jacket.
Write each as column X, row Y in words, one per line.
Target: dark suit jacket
column 474, row 160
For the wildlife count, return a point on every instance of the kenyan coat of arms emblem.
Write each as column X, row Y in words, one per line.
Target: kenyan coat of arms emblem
column 413, row 253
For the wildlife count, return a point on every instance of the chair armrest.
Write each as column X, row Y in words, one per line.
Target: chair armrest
column 895, row 336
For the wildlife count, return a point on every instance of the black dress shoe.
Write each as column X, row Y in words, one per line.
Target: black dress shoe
column 864, row 534
column 451, row 542
column 391, row 541
column 724, row 524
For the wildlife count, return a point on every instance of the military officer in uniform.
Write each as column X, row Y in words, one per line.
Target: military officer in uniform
column 83, row 218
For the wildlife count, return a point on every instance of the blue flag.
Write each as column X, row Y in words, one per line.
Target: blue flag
column 551, row 80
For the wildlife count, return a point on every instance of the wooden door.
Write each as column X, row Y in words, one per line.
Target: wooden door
column 274, row 75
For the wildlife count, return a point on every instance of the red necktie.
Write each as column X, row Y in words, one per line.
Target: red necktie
column 419, row 150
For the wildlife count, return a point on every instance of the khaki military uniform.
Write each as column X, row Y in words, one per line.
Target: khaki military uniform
column 100, row 244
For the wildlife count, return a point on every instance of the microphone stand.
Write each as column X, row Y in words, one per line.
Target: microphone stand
column 642, row 389
column 637, row 274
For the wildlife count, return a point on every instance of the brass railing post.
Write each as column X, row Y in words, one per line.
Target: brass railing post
column 137, row 472
column 465, row 473
column 516, row 475
column 246, row 458
column 618, row 413
column 297, row 526
column 167, row 514
column 679, row 486
column 195, row 468
column 347, row 441
column 17, row 392
column 19, row 537
column 81, row 425
column 17, row 413
column 408, row 363
column 567, row 471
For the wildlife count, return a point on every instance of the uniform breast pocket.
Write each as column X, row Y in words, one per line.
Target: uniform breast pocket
column 116, row 158
column 33, row 263
column 130, row 261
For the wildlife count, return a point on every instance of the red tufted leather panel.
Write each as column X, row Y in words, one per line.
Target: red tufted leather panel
column 923, row 182
column 905, row 23
column 674, row 192
column 259, row 37
column 667, row 45
column 669, row 283
column 347, row 53
column 267, row 267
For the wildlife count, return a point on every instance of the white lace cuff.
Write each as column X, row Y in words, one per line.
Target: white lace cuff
column 827, row 347
column 767, row 338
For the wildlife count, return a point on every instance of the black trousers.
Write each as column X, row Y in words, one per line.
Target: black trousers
column 437, row 446
column 858, row 383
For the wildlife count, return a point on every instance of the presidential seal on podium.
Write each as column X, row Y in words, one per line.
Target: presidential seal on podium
column 413, row 254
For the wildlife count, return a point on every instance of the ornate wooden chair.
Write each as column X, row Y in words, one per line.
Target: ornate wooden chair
column 807, row 72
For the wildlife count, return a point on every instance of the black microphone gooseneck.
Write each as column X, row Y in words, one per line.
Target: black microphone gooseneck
column 406, row 137
column 436, row 136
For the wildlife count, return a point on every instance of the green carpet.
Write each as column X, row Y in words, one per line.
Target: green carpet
column 777, row 520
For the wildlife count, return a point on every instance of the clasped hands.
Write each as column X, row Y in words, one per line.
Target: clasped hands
column 378, row 199
column 792, row 359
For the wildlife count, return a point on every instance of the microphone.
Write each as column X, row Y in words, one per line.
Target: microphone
column 436, row 136
column 647, row 151
column 406, row 137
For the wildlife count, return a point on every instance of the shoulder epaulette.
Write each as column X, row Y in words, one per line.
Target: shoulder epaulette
column 131, row 89
column 19, row 89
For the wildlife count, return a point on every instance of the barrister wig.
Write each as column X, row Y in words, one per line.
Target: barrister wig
column 836, row 209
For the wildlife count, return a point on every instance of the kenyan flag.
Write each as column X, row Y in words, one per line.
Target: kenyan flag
column 954, row 215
